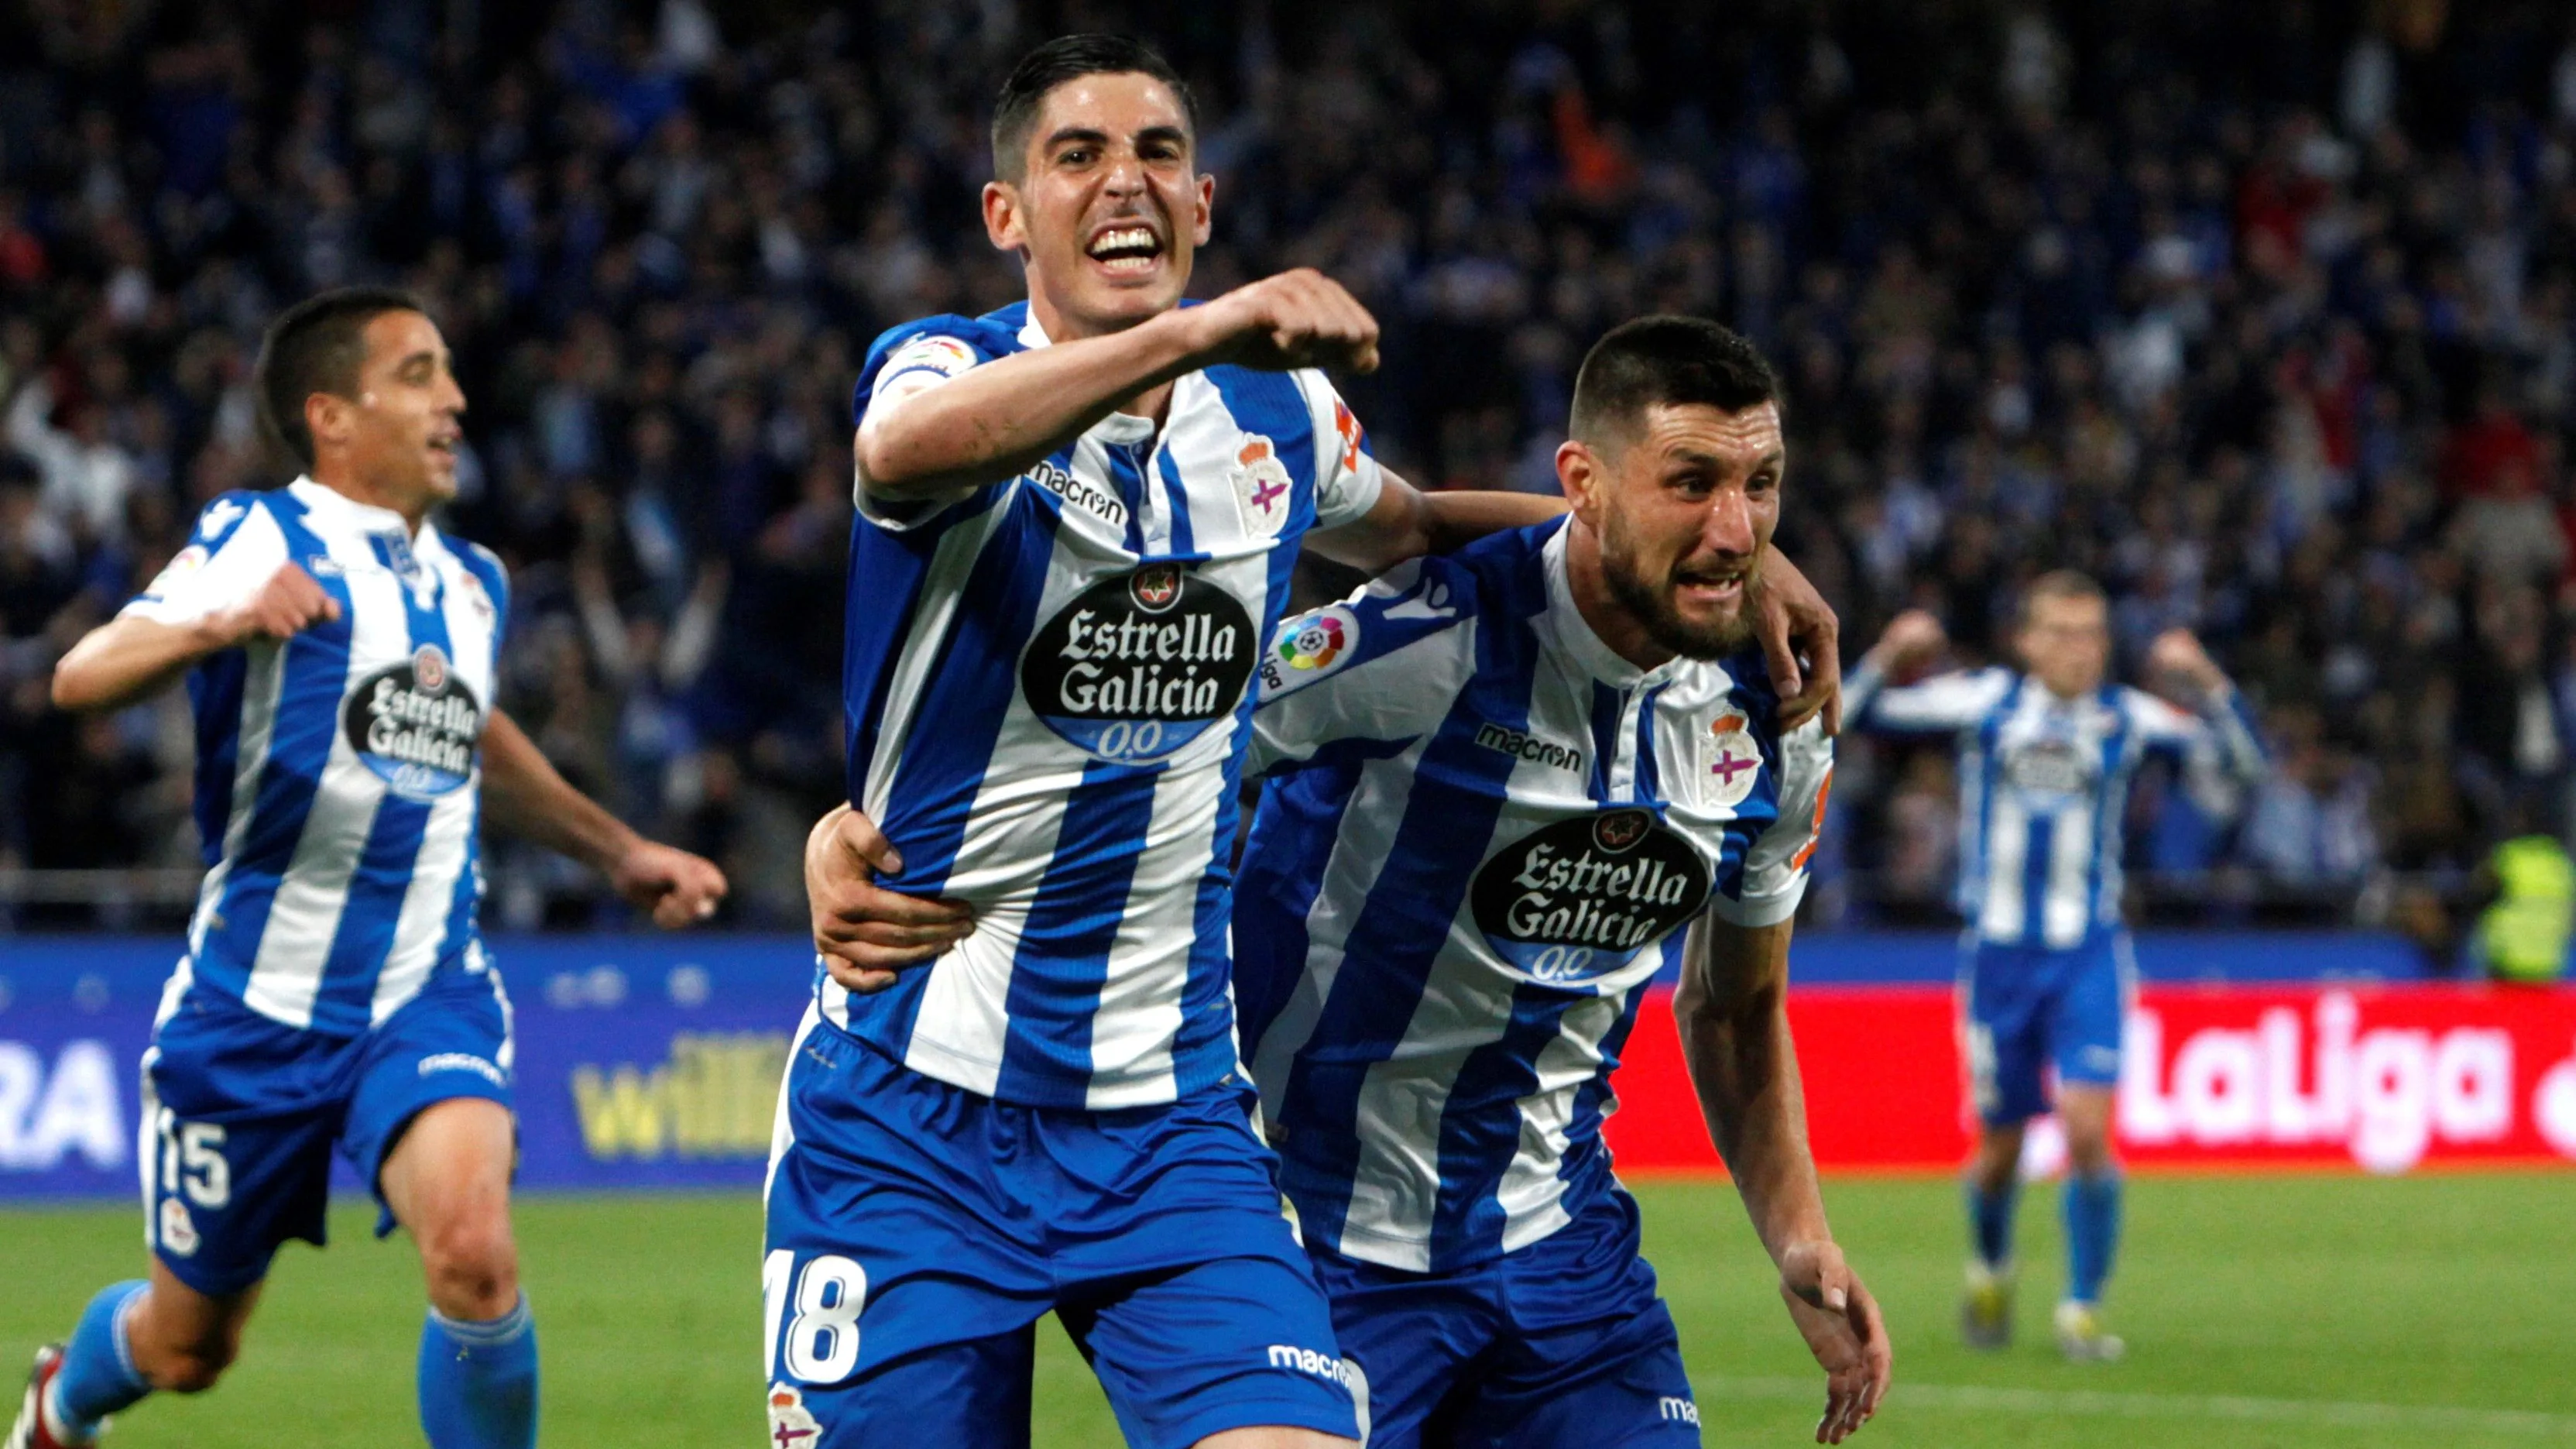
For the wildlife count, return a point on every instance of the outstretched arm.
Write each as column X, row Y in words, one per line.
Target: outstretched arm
column 131, row 657
column 927, row 437
column 524, row 794
column 1732, row 1007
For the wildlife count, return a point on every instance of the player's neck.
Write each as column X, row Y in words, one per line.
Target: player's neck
column 1153, row 404
column 1612, row 622
column 349, row 484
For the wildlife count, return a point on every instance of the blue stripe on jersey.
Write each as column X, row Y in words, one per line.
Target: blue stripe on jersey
column 968, row 696
column 215, row 702
column 1650, row 775
column 1458, row 794
column 1065, row 943
column 1184, row 538
column 1608, row 703
column 1127, row 475
column 1480, row 1123
column 891, row 567
column 365, row 932
column 1586, row 1165
column 316, row 670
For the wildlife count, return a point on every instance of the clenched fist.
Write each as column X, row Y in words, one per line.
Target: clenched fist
column 290, row 602
column 1299, row 318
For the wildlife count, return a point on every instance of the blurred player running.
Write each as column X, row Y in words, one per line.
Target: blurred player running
column 1510, row 788
column 339, row 652
column 2045, row 762
column 1078, row 520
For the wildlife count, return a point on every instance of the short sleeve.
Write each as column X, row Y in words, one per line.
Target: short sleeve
column 233, row 549
column 1774, row 878
column 906, row 360
column 1347, row 477
column 1384, row 664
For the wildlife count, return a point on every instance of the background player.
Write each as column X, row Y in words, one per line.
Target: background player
column 335, row 991
column 2046, row 758
column 1078, row 520
column 1508, row 785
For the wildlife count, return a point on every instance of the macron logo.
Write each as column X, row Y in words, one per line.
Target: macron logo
column 461, row 1062
column 1678, row 1411
column 1308, row 1361
column 1523, row 746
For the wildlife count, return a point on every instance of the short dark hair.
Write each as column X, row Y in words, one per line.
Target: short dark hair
column 2058, row 584
column 317, row 345
column 1070, row 57
column 1668, row 361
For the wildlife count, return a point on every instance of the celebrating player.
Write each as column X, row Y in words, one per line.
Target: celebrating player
column 1512, row 787
column 1078, row 518
column 2046, row 758
column 339, row 654
column 1506, row 787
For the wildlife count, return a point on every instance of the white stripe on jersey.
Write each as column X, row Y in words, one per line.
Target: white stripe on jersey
column 1533, row 1188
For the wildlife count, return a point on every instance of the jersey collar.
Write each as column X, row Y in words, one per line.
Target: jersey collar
column 332, row 504
column 1572, row 634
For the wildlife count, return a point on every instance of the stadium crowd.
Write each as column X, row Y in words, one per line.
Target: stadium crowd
column 2266, row 315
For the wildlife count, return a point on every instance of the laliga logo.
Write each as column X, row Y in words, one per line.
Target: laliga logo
column 2386, row 1094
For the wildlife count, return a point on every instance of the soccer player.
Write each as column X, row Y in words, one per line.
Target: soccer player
column 2045, row 761
column 339, row 653
column 1078, row 519
column 1511, row 787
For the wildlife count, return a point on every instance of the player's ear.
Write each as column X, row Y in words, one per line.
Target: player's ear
column 1201, row 221
column 1002, row 217
column 1580, row 473
column 326, row 415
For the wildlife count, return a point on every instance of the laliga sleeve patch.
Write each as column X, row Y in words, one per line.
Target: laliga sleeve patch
column 943, row 355
column 182, row 566
column 1310, row 646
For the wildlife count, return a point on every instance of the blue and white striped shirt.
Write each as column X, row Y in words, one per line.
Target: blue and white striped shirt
column 1047, row 694
column 2044, row 787
column 338, row 773
column 1485, row 834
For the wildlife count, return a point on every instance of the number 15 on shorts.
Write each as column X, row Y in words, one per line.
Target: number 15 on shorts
column 813, row 1315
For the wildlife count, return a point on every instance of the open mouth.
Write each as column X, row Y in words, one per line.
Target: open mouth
column 1125, row 249
column 1712, row 588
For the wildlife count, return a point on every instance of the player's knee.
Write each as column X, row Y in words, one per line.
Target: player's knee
column 189, row 1368
column 472, row 1267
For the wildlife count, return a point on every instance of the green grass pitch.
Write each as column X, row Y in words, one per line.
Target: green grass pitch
column 2290, row 1311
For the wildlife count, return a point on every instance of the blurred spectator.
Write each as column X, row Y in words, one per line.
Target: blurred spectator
column 2264, row 313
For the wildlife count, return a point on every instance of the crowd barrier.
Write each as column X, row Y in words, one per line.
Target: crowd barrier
column 653, row 1061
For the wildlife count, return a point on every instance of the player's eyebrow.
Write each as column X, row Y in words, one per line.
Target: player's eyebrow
column 1085, row 135
column 1694, row 458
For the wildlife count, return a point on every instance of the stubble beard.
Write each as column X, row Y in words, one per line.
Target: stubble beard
column 1654, row 608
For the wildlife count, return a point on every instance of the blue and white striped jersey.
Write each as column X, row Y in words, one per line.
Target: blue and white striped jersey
column 2044, row 786
column 1047, row 692
column 1485, row 833
column 338, row 773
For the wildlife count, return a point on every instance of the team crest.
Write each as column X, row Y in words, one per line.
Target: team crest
column 1262, row 486
column 1156, row 587
column 429, row 666
column 1620, row 829
column 1731, row 762
column 791, row 1425
column 178, row 1230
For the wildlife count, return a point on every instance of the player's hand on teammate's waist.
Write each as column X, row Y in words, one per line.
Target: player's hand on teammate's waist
column 290, row 602
column 1801, row 642
column 867, row 934
column 678, row 888
column 1299, row 318
column 1841, row 1323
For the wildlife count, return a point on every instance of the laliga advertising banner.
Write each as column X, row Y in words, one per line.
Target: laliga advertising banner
column 653, row 1061
column 2380, row 1078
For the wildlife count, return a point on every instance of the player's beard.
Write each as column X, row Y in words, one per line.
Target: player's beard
column 1651, row 601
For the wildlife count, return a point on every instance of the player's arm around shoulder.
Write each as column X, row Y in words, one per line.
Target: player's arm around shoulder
column 1732, row 1011
column 524, row 794
column 1386, row 663
column 232, row 585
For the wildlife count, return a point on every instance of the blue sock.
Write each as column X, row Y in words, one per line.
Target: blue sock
column 98, row 1376
column 1990, row 1223
column 478, row 1381
column 2092, row 1208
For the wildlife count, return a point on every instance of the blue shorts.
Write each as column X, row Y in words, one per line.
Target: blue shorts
column 917, row 1231
column 240, row 1116
column 2029, row 1009
column 1559, row 1345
